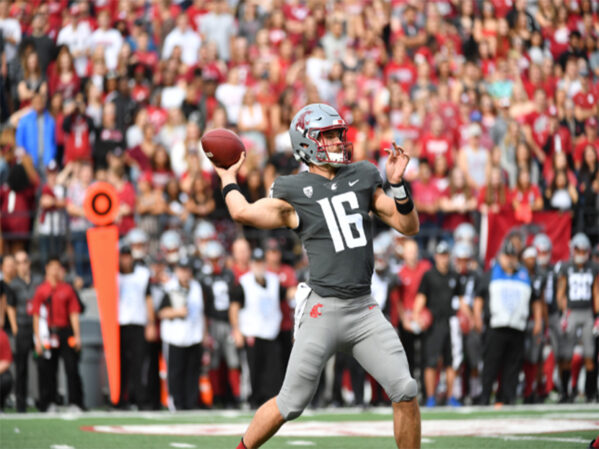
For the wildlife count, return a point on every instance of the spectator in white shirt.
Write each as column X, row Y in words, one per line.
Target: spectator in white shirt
column 11, row 32
column 76, row 36
column 219, row 26
column 230, row 94
column 109, row 38
column 185, row 37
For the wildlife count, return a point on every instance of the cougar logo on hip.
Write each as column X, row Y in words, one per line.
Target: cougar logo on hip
column 315, row 312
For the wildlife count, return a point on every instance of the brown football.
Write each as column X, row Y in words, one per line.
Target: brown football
column 222, row 147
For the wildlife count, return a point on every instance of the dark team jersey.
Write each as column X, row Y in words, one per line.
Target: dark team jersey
column 579, row 284
column 537, row 281
column 467, row 286
column 217, row 289
column 440, row 291
column 335, row 226
column 550, row 275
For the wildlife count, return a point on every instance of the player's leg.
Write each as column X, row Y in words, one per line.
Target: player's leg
column 492, row 362
column 432, row 345
column 378, row 349
column 588, row 344
column 512, row 364
column 566, row 348
column 315, row 343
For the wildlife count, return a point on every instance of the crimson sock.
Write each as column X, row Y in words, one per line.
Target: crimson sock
column 577, row 362
column 235, row 381
column 217, row 384
column 241, row 445
column 530, row 373
column 595, row 443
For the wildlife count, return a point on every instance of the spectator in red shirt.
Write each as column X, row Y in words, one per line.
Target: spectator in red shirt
column 56, row 310
column 5, row 374
column 410, row 276
column 458, row 201
column 585, row 101
column 62, row 77
column 17, row 195
column 126, row 193
column 79, row 132
column 590, row 138
column 426, row 194
column 436, row 143
column 536, row 127
column 493, row 197
column 525, row 197
column 400, row 68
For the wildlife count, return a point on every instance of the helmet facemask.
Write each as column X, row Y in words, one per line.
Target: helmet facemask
column 330, row 154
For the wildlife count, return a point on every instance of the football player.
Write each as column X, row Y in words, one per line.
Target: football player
column 533, row 342
column 550, row 272
column 329, row 207
column 218, row 284
column 578, row 299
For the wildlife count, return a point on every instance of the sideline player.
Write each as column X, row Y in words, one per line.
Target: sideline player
column 329, row 206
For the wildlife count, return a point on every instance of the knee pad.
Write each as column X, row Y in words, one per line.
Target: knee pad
column 404, row 390
column 288, row 410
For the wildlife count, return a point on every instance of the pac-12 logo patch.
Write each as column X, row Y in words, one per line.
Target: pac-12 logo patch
column 308, row 191
column 315, row 312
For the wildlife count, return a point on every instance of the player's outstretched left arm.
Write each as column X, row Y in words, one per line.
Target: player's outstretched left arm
column 398, row 212
column 266, row 213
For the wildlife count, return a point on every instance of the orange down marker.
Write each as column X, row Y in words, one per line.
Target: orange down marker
column 101, row 207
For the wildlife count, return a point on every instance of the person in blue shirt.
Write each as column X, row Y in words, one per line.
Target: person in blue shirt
column 506, row 298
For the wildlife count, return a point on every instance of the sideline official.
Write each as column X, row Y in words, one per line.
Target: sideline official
column 137, row 325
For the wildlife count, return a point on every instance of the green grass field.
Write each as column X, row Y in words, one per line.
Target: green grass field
column 549, row 426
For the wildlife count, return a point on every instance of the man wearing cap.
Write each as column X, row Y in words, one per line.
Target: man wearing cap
column 137, row 323
column 533, row 343
column 468, row 281
column 505, row 296
column 183, row 328
column 255, row 316
column 437, row 291
column 56, row 332
column 23, row 288
column 578, row 301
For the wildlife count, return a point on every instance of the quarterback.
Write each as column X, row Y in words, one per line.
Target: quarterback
column 329, row 207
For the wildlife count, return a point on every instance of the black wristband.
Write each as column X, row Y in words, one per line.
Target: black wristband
column 229, row 188
column 405, row 208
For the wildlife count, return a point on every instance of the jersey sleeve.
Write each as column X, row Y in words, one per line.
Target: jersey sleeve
column 280, row 189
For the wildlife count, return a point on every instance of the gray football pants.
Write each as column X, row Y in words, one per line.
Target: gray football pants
column 356, row 327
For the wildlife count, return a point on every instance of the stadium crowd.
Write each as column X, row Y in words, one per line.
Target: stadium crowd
column 495, row 101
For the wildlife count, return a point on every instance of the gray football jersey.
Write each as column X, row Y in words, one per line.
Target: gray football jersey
column 335, row 226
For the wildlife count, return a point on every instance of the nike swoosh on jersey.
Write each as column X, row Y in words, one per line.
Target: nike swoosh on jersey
column 352, row 183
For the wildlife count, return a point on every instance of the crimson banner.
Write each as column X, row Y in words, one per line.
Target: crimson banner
column 556, row 225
